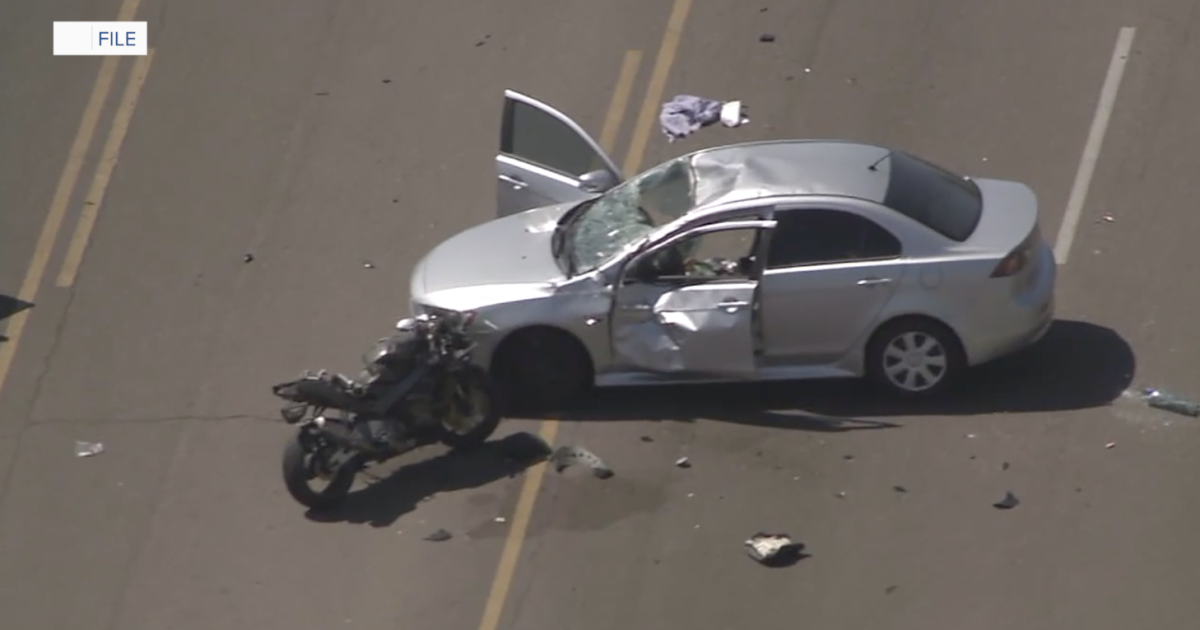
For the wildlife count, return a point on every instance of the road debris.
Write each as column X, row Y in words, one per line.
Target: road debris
column 248, row 258
column 566, row 456
column 685, row 114
column 1110, row 445
column 683, row 462
column 774, row 550
column 321, row 94
column 1009, row 502
column 483, row 41
column 900, row 489
column 88, row 449
column 368, row 264
column 840, row 495
column 766, row 38
column 440, row 535
column 500, row 519
column 891, row 589
column 1004, row 466
column 848, row 458
column 1108, row 218
column 647, row 438
column 1159, row 399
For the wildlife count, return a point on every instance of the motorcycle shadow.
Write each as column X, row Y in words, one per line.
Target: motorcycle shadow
column 385, row 500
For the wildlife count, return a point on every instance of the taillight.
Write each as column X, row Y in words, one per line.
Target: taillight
column 1018, row 258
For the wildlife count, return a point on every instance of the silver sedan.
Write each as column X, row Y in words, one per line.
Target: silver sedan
column 791, row 259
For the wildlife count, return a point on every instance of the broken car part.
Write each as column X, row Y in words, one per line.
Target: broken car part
column 774, row 550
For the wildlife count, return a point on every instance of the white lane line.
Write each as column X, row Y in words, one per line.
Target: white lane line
column 1091, row 150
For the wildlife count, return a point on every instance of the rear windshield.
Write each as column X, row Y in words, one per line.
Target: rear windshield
column 946, row 203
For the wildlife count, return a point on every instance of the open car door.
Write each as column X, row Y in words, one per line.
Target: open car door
column 702, row 326
column 546, row 158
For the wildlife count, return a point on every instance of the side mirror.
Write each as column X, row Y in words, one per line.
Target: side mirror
column 597, row 181
column 406, row 324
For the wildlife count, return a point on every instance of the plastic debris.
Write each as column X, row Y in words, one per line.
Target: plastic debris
column 248, row 258
column 1108, row 218
column 566, row 456
column 685, row 114
column 368, row 264
column 683, row 462
column 774, row 550
column 848, row 458
column 500, row 519
column 88, row 449
column 766, row 38
column 732, row 114
column 1110, row 445
column 1009, row 502
column 840, row 495
column 1159, row 399
column 440, row 535
column 647, row 438
column 900, row 489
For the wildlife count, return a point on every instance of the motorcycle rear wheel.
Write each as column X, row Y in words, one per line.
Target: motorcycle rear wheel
column 303, row 464
column 474, row 395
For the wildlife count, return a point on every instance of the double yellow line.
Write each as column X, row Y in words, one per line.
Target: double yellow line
column 522, row 514
column 65, row 189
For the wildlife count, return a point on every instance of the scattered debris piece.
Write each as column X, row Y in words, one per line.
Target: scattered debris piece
column 1159, row 399
column 387, row 80
column 1009, row 502
column 684, row 114
column 683, row 462
column 851, row 80
column 985, row 159
column 840, row 495
column 368, row 264
column 440, row 535
column 732, row 114
column 321, row 94
column 88, row 449
column 808, row 71
column 647, row 438
column 774, row 550
column 1108, row 218
column 763, row 10
column 500, row 519
column 848, row 458
column 891, row 589
column 1004, row 466
column 567, row 456
column 900, row 489
column 524, row 447
column 483, row 41
column 1110, row 445
column 248, row 258
column 970, row 436
column 766, row 38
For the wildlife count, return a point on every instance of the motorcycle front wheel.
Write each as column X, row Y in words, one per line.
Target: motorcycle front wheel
column 305, row 463
column 472, row 409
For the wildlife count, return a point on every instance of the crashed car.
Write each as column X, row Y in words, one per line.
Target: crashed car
column 790, row 259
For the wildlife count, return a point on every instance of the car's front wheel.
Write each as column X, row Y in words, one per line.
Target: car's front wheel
column 542, row 369
column 915, row 357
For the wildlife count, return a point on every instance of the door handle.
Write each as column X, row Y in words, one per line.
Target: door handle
column 635, row 307
column 513, row 181
column 732, row 303
column 873, row 282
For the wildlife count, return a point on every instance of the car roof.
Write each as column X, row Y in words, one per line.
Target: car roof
column 789, row 168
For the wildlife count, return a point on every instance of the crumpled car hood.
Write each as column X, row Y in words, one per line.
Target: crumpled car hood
column 511, row 250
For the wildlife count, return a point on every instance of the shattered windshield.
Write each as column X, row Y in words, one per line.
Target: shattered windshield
column 628, row 212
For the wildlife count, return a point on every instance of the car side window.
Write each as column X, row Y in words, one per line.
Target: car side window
column 538, row 137
column 723, row 255
column 813, row 237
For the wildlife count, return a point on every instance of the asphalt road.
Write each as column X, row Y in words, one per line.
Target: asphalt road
column 317, row 136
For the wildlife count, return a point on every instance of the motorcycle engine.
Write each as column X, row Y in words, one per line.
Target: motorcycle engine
column 394, row 356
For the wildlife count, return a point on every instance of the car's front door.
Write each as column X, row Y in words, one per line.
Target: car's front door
column 829, row 274
column 677, row 310
column 546, row 158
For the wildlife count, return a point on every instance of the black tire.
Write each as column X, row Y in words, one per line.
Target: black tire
column 943, row 354
column 297, row 475
column 476, row 381
column 542, row 369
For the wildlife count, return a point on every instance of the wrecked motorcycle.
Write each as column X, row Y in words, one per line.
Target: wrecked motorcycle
column 417, row 387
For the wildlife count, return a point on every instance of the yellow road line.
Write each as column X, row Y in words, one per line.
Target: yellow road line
column 62, row 196
column 506, row 570
column 620, row 100
column 104, row 170
column 658, row 83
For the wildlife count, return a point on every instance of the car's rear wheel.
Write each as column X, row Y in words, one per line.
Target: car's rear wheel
column 542, row 369
column 915, row 357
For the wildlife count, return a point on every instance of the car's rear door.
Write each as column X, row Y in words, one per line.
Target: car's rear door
column 543, row 155
column 829, row 275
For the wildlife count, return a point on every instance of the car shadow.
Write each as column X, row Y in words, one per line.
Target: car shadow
column 10, row 306
column 1077, row 365
column 383, row 502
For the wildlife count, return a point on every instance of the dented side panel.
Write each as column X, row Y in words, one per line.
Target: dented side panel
column 703, row 328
